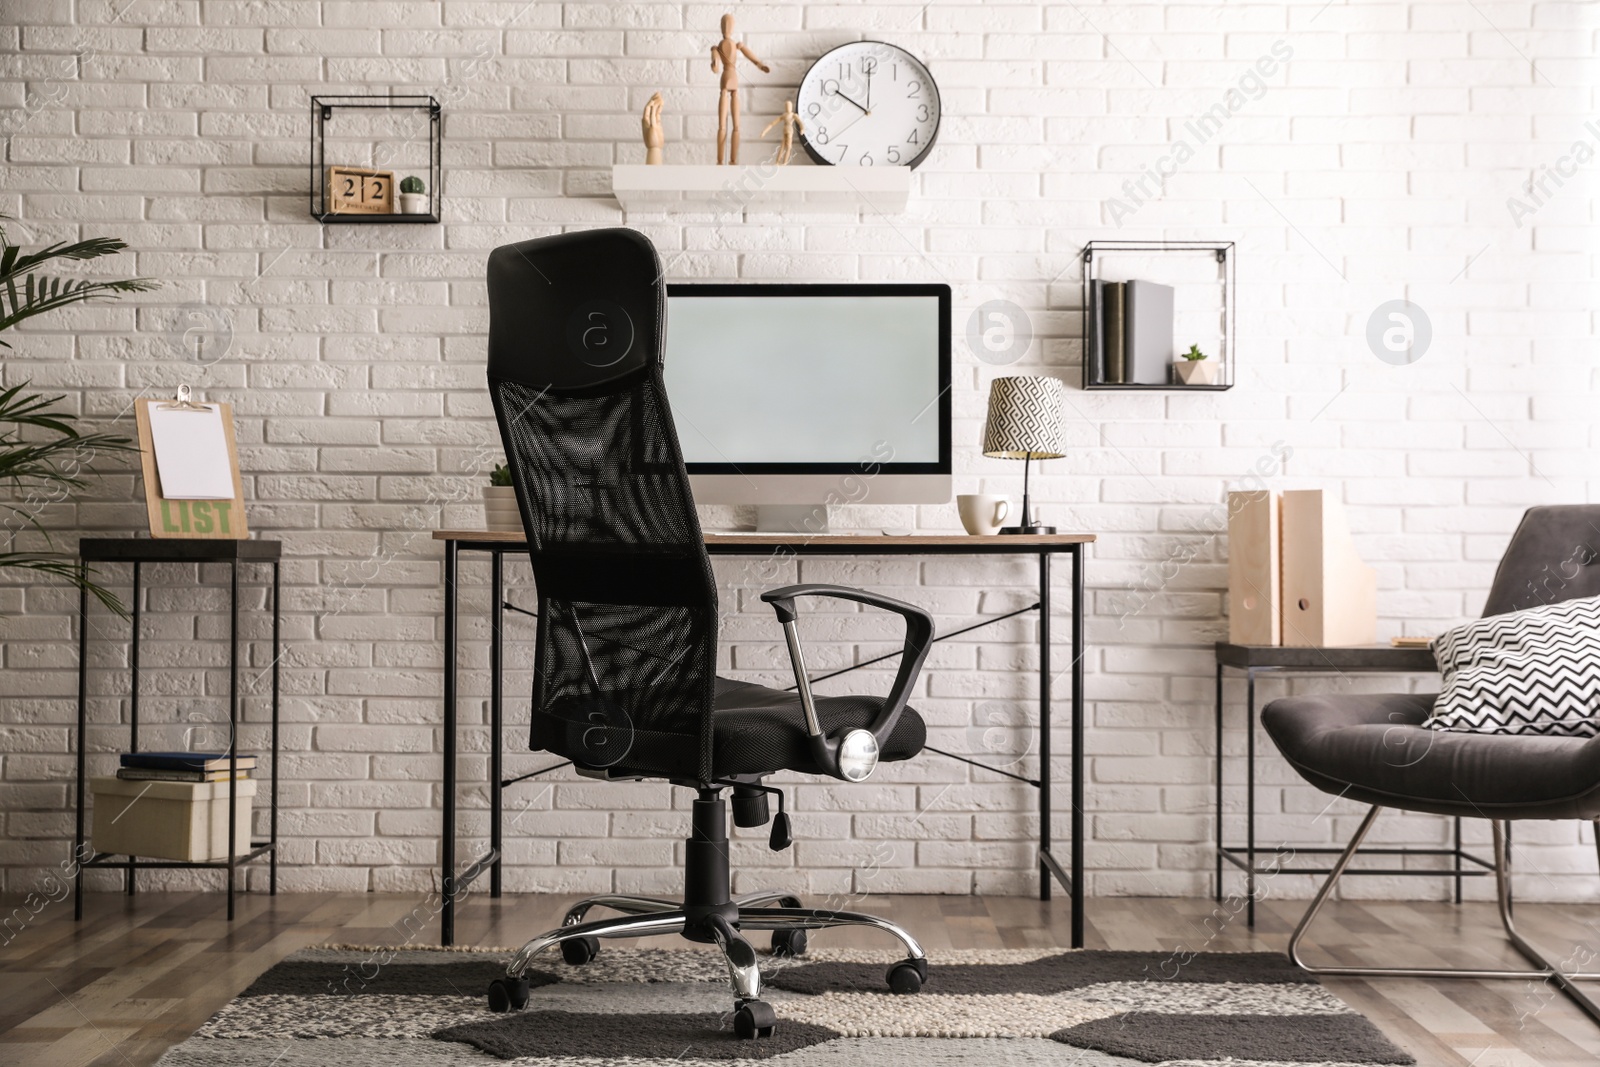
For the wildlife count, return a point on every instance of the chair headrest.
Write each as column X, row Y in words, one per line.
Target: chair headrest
column 1553, row 556
column 575, row 311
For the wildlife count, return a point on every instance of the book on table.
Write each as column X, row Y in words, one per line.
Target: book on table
column 161, row 774
column 187, row 761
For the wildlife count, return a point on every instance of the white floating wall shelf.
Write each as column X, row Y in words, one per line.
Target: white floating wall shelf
column 760, row 187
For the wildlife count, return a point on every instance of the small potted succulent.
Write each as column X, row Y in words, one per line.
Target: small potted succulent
column 500, row 502
column 1194, row 369
column 413, row 196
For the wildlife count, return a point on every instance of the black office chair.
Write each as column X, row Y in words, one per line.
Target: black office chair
column 624, row 678
column 1377, row 749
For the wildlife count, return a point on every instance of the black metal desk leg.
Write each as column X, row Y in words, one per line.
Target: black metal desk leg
column 1077, row 746
column 1044, row 724
column 272, row 860
column 1458, row 859
column 233, row 721
column 133, row 694
column 78, row 855
column 447, row 882
column 1221, row 837
column 1250, row 795
column 496, row 694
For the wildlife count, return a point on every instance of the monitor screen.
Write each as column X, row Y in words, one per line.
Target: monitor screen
column 809, row 377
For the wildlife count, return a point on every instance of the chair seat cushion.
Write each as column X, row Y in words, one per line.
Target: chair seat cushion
column 1535, row 671
column 1375, row 749
column 760, row 730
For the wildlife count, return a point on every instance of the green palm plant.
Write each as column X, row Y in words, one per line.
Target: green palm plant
column 43, row 454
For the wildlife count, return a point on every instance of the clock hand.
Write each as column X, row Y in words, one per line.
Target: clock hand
column 858, row 107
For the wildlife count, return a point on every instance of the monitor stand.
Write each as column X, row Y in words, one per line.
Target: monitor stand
column 802, row 519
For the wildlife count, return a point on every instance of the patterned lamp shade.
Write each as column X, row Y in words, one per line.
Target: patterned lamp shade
column 1024, row 419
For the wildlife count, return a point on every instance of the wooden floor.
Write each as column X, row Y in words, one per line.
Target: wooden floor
column 140, row 974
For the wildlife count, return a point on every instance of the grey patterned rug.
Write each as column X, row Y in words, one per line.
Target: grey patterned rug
column 367, row 1007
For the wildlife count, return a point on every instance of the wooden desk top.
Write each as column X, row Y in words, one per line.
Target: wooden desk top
column 999, row 542
column 1383, row 658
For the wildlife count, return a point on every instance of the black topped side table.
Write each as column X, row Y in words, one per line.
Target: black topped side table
column 1282, row 661
column 139, row 551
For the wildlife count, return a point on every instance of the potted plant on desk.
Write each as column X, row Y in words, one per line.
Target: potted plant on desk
column 500, row 502
column 1193, row 368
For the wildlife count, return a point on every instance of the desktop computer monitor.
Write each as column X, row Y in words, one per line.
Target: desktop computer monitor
column 807, row 395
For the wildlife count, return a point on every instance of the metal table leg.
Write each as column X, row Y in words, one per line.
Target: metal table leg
column 233, row 722
column 1044, row 726
column 1077, row 746
column 496, row 694
column 83, row 723
column 272, row 860
column 133, row 693
column 1250, row 795
column 447, row 883
column 1221, row 837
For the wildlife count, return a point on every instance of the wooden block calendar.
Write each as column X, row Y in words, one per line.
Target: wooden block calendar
column 360, row 191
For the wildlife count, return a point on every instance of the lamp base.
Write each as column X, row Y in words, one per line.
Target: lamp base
column 1015, row 530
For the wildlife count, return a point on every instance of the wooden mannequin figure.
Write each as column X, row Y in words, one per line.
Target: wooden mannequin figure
column 791, row 123
column 655, row 139
column 724, row 60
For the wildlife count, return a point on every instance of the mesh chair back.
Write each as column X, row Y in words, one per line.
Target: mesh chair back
column 1553, row 556
column 626, row 649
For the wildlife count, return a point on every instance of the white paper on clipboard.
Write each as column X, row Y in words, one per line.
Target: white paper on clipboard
column 191, row 453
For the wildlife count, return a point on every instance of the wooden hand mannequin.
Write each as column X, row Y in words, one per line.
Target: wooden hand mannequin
column 724, row 60
column 655, row 139
column 791, row 123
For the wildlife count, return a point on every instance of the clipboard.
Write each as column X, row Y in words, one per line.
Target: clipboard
column 189, row 519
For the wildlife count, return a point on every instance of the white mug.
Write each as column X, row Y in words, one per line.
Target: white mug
column 983, row 513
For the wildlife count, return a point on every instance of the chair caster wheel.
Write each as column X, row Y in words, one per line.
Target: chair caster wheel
column 580, row 950
column 508, row 994
column 754, row 1019
column 788, row 942
column 907, row 976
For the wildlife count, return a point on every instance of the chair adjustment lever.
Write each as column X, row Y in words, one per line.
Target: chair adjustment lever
column 750, row 809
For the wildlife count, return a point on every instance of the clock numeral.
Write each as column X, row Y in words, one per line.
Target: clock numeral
column 922, row 112
column 814, row 109
column 822, row 135
column 845, row 71
column 914, row 89
column 913, row 138
column 843, row 150
column 866, row 159
column 868, row 65
column 893, row 153
column 830, row 88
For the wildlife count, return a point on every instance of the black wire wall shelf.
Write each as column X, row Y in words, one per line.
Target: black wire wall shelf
column 322, row 111
column 1095, row 252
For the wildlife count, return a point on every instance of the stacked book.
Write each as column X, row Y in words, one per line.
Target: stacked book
column 182, row 766
column 1130, row 333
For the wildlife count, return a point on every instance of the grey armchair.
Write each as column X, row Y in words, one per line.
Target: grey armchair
column 1377, row 750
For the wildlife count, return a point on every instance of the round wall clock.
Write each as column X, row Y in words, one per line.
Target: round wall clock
column 868, row 104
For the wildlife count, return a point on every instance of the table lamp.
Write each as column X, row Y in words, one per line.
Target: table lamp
column 1024, row 423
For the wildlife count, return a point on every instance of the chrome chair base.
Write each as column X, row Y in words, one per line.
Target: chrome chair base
column 1565, row 981
column 653, row 916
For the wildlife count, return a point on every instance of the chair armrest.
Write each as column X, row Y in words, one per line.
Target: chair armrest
column 918, row 639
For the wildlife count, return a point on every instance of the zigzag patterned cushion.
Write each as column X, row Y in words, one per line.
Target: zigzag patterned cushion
column 1524, row 672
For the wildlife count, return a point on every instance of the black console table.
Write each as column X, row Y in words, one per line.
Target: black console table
column 139, row 551
column 1281, row 661
column 1042, row 546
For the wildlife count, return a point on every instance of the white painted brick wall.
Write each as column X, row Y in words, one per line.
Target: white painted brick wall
column 1375, row 163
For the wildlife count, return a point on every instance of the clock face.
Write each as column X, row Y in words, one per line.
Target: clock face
column 868, row 104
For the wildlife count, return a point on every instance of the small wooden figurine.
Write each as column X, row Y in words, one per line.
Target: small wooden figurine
column 724, row 59
column 655, row 139
column 791, row 123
